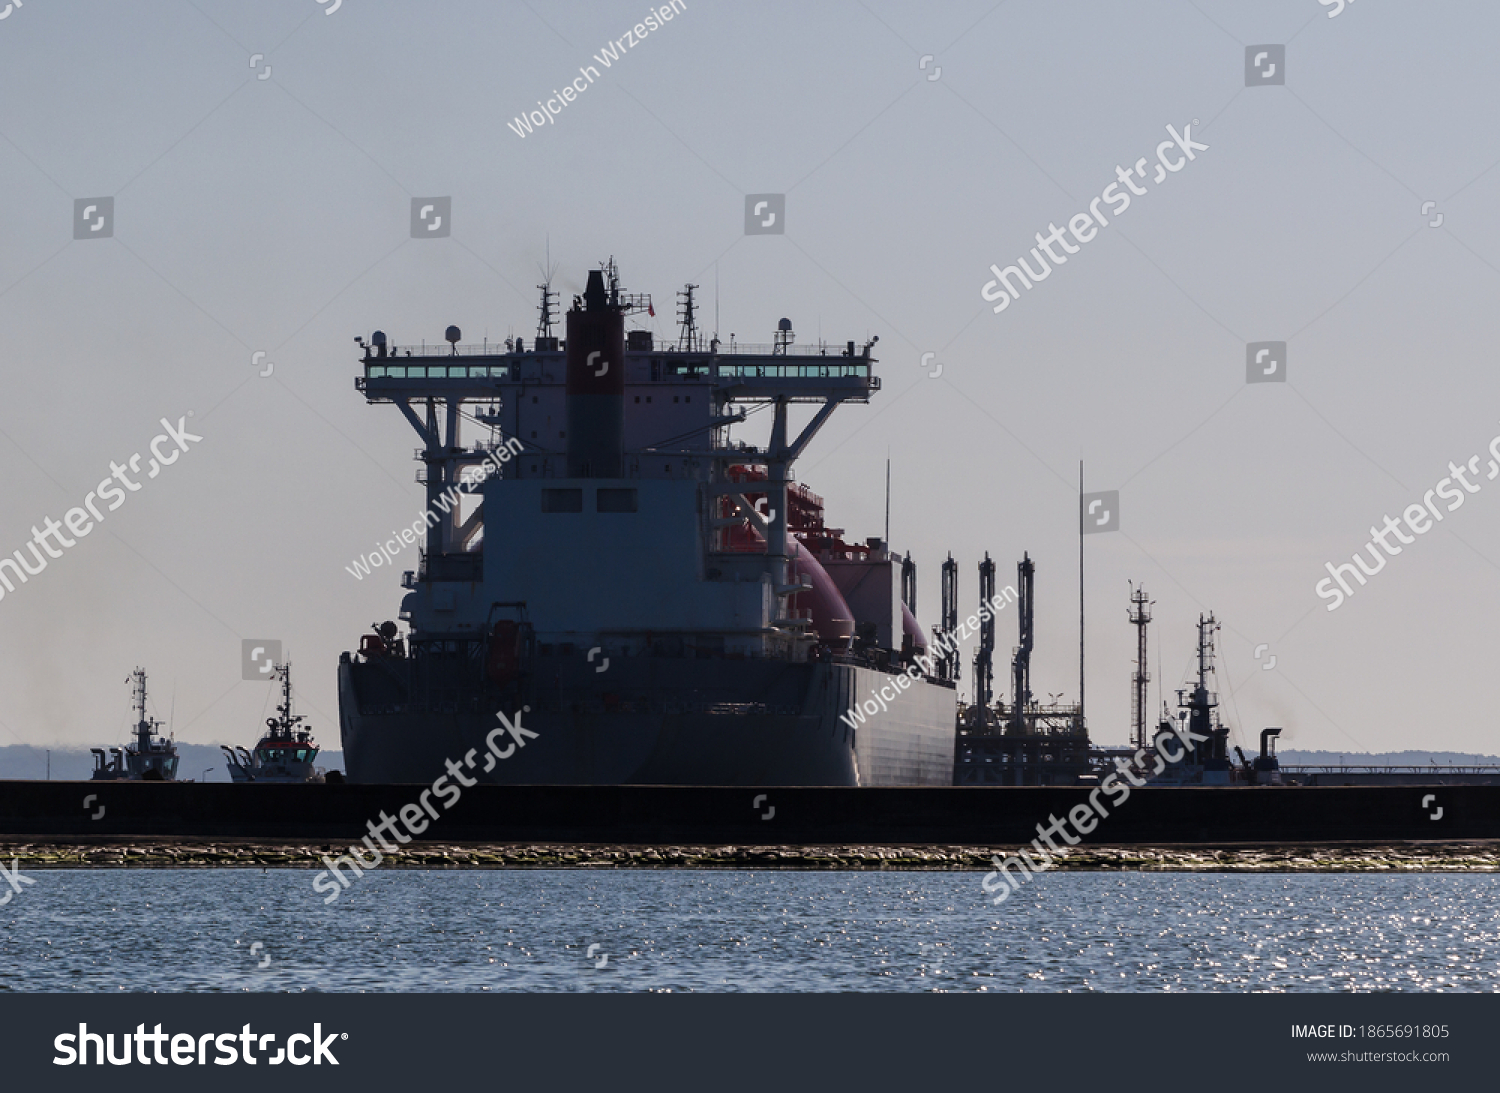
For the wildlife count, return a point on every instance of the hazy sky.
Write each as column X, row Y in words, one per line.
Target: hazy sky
column 273, row 215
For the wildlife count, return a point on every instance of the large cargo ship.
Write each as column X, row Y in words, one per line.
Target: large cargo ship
column 616, row 591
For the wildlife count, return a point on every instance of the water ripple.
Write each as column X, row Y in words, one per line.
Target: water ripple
column 744, row 930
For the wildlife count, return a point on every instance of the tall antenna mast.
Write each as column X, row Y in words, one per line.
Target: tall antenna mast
column 1139, row 617
column 1081, row 722
column 887, row 502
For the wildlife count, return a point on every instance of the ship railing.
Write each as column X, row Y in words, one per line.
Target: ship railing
column 764, row 349
column 425, row 352
column 465, row 566
column 819, row 368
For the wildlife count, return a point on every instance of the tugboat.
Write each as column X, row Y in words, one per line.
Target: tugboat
column 285, row 753
column 154, row 757
column 1209, row 764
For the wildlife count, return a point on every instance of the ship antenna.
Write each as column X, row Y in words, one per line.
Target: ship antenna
column 612, row 275
column 143, row 725
column 687, row 311
column 545, row 321
column 1081, row 722
column 1140, row 615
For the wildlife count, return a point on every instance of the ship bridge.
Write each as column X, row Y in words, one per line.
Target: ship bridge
column 616, row 424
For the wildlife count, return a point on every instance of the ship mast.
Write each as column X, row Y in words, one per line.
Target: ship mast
column 286, row 722
column 1201, row 705
column 687, row 320
column 545, row 322
column 144, row 726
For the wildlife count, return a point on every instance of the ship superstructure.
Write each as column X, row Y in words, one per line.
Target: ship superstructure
column 153, row 757
column 286, row 752
column 1208, row 763
column 655, row 603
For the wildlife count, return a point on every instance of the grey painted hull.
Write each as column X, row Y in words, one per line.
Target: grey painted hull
column 650, row 721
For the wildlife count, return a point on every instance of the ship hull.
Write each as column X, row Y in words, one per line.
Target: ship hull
column 650, row 721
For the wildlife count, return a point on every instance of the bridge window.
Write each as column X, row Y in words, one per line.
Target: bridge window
column 562, row 500
column 617, row 500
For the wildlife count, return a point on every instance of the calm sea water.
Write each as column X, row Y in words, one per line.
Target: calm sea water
column 665, row 930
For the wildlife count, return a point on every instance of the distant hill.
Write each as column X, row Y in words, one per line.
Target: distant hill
column 1293, row 757
column 18, row 761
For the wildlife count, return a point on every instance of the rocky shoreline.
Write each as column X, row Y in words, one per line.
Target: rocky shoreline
column 1462, row 857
